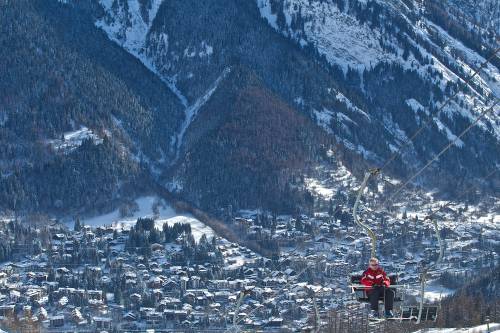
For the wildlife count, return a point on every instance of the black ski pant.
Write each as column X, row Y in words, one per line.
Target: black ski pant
column 380, row 291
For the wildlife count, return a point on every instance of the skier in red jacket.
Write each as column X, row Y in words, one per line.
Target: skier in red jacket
column 377, row 284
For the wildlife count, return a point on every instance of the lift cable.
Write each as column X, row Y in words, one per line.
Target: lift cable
column 409, row 141
column 441, row 108
column 444, row 150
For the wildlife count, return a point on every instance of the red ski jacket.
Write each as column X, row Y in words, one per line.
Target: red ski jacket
column 375, row 277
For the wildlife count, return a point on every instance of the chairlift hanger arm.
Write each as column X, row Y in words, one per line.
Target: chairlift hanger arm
column 441, row 245
column 373, row 237
column 425, row 270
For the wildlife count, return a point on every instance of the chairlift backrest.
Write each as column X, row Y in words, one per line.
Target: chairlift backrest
column 360, row 291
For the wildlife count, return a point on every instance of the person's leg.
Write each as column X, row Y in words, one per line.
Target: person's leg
column 389, row 299
column 373, row 296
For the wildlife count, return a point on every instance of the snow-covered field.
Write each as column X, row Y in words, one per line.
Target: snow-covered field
column 494, row 328
column 329, row 180
column 145, row 209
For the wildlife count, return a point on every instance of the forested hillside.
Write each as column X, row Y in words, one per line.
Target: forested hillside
column 368, row 73
column 471, row 304
column 59, row 74
column 246, row 148
column 231, row 102
column 483, row 16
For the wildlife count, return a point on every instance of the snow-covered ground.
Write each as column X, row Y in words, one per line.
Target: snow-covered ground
column 145, row 209
column 329, row 180
column 494, row 328
column 126, row 26
column 324, row 119
column 73, row 140
column 347, row 42
column 337, row 35
column 318, row 187
column 490, row 76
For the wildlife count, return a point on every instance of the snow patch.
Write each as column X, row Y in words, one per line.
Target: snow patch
column 396, row 132
column 130, row 30
column 341, row 98
column 206, row 50
column 3, row 118
column 74, row 139
column 174, row 186
column 415, row 105
column 343, row 118
column 324, row 119
column 299, row 101
column 266, row 12
column 489, row 78
column 319, row 188
column 452, row 137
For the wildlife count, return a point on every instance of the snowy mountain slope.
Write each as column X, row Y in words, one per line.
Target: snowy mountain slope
column 336, row 34
column 246, row 146
column 361, row 34
column 346, row 38
column 128, row 23
column 368, row 73
column 373, row 57
column 484, row 15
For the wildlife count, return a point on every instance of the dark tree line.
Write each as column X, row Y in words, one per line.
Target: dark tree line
column 474, row 302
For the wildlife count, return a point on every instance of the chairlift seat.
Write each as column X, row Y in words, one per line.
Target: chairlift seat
column 429, row 312
column 361, row 292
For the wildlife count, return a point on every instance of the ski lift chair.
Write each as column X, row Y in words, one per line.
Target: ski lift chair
column 359, row 290
column 429, row 313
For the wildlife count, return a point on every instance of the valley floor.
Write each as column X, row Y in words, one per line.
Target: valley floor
column 103, row 276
